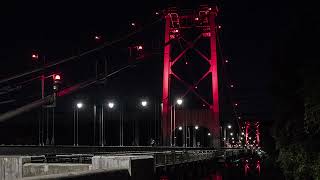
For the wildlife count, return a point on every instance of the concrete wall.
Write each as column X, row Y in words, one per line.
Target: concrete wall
column 100, row 174
column 139, row 167
column 40, row 169
column 11, row 167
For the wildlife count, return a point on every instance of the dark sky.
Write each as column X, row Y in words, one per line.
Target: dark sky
column 251, row 30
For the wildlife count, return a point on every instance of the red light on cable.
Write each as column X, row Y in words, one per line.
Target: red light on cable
column 35, row 56
column 56, row 77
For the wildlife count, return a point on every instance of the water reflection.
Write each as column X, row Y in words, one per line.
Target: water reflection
column 249, row 167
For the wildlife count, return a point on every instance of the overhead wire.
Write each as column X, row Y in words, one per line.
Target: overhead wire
column 104, row 45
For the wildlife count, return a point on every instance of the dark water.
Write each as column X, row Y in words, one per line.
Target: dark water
column 244, row 168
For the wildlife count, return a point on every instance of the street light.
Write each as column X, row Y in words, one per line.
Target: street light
column 79, row 105
column 144, row 103
column 179, row 101
column 110, row 105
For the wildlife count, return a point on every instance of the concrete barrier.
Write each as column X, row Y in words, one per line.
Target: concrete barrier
column 100, row 174
column 139, row 167
column 11, row 167
column 40, row 169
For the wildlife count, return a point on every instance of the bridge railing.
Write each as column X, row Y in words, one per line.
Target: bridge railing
column 178, row 157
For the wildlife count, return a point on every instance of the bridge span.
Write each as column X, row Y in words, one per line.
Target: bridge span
column 134, row 162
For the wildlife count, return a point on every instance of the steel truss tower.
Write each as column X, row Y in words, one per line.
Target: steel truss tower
column 177, row 24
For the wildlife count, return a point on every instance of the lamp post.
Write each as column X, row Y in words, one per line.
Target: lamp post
column 110, row 106
column 76, row 109
column 178, row 102
column 226, row 139
column 196, row 127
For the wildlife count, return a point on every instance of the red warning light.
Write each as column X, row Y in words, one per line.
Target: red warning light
column 35, row 56
column 56, row 77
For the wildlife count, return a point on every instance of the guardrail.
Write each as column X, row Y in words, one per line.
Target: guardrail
column 179, row 157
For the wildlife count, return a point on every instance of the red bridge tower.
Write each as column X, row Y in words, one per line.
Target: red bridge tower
column 178, row 24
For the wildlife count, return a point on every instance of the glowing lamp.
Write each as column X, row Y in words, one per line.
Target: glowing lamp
column 110, row 105
column 79, row 105
column 179, row 101
column 180, row 128
column 35, row 56
column 144, row 103
column 56, row 77
column 196, row 127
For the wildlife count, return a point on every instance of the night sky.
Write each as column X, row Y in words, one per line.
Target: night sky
column 251, row 31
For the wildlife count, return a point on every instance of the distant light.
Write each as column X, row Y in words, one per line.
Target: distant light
column 196, row 18
column 180, row 128
column 196, row 127
column 35, row 56
column 79, row 105
column 235, row 104
column 224, row 138
column 157, row 13
column 232, row 141
column 231, row 134
column 250, row 138
column 186, row 62
column 229, row 126
column 196, row 87
column 144, row 103
column 140, row 47
column 242, row 133
column 241, row 138
column 176, row 30
column 110, row 105
column 56, row 77
column 226, row 61
column 209, row 9
column 133, row 24
column 231, row 85
column 232, row 138
column 96, row 37
column 209, row 134
column 239, row 117
column 219, row 26
column 179, row 101
column 203, row 105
